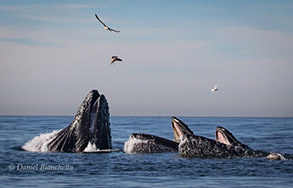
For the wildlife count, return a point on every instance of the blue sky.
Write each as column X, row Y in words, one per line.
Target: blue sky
column 53, row 53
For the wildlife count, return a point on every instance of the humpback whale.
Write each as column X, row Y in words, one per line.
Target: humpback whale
column 226, row 137
column 190, row 145
column 90, row 128
column 179, row 129
column 225, row 145
column 146, row 143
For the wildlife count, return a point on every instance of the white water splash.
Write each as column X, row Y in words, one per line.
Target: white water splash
column 276, row 156
column 40, row 143
column 90, row 147
column 129, row 145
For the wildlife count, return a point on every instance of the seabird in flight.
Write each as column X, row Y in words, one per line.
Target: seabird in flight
column 215, row 88
column 115, row 58
column 105, row 26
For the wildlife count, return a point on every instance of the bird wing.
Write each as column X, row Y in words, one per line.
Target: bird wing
column 116, row 58
column 101, row 21
column 113, row 30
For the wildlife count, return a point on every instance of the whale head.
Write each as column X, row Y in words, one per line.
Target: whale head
column 90, row 125
column 179, row 129
column 226, row 137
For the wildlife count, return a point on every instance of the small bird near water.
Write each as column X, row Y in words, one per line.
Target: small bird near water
column 105, row 26
column 115, row 58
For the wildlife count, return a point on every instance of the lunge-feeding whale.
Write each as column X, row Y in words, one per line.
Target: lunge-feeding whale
column 226, row 137
column 225, row 145
column 190, row 145
column 90, row 128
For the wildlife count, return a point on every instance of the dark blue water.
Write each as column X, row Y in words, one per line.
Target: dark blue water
column 27, row 169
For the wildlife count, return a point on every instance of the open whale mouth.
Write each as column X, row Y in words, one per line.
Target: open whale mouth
column 99, row 125
column 226, row 137
column 179, row 129
column 90, row 127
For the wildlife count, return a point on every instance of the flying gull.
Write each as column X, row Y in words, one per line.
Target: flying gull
column 215, row 88
column 105, row 26
column 115, row 58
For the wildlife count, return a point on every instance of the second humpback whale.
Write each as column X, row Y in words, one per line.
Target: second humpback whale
column 90, row 128
column 225, row 145
column 190, row 145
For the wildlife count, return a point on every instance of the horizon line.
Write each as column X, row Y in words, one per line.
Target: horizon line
column 199, row 116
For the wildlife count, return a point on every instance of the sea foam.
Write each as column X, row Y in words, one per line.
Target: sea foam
column 40, row 143
column 90, row 147
column 130, row 144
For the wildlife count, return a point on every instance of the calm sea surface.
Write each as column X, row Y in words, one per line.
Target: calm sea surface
column 117, row 169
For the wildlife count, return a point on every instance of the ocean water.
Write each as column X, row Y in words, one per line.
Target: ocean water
column 19, row 168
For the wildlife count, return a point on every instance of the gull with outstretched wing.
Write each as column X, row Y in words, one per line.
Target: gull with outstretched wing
column 105, row 26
